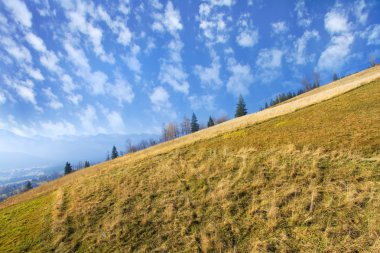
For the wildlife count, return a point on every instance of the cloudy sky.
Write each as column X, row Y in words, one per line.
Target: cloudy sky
column 126, row 67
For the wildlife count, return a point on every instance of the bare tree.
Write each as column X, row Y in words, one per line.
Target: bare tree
column 317, row 79
column 152, row 142
column 306, row 84
column 130, row 148
column 221, row 119
column 170, row 132
column 185, row 126
column 143, row 144
column 372, row 61
column 79, row 166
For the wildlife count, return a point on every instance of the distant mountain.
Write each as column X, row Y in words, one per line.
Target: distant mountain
column 17, row 152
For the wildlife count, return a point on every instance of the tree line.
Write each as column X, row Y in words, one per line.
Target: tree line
column 173, row 130
column 307, row 85
column 187, row 126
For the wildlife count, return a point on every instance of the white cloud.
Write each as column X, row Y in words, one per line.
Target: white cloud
column 202, row 102
column 247, row 38
column 45, row 9
column 241, row 78
column 57, row 129
column 3, row 99
column 68, row 87
column 227, row 3
column 19, row 11
column 53, row 99
column 77, row 56
column 96, row 35
column 213, row 24
column 361, row 11
column 303, row 16
column 19, row 52
column 175, row 76
column 88, row 118
column 300, row 55
column 27, row 93
column 279, row 27
column 75, row 98
column 336, row 22
column 150, row 45
column 97, row 82
column 122, row 91
column 23, row 88
column 170, row 20
column 132, row 61
column 160, row 99
column 269, row 58
column 248, row 35
column 372, row 33
column 125, row 35
column 36, row 42
column 116, row 123
column 68, row 84
column 78, row 22
column 116, row 24
column 50, row 61
column 209, row 76
column 338, row 50
column 156, row 4
column 334, row 56
column 171, row 69
column 269, row 62
column 34, row 73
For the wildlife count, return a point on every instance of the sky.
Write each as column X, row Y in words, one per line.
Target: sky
column 84, row 68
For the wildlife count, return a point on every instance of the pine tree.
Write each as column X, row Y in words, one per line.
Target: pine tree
column 86, row 164
column 108, row 156
column 335, row 77
column 114, row 153
column 28, row 186
column 210, row 122
column 194, row 123
column 241, row 109
column 68, row 169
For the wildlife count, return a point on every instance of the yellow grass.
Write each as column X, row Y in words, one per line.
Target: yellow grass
column 286, row 179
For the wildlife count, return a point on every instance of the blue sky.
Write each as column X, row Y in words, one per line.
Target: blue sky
column 126, row 67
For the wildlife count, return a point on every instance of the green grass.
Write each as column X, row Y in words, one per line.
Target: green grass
column 308, row 181
column 26, row 227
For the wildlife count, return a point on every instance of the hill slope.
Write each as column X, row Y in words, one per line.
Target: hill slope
column 306, row 180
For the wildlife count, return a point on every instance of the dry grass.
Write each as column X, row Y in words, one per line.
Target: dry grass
column 308, row 181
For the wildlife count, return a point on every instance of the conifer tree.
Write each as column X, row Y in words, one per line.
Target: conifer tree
column 114, row 153
column 108, row 156
column 194, row 123
column 86, row 164
column 210, row 122
column 335, row 77
column 28, row 186
column 68, row 168
column 241, row 109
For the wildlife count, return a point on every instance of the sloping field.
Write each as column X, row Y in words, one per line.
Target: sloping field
column 285, row 179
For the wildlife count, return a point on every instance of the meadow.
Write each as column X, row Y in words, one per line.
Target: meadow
column 303, row 176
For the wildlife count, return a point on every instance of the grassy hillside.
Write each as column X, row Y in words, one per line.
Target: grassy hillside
column 308, row 181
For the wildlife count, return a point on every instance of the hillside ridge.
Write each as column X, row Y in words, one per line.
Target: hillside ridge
column 305, row 181
column 314, row 96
